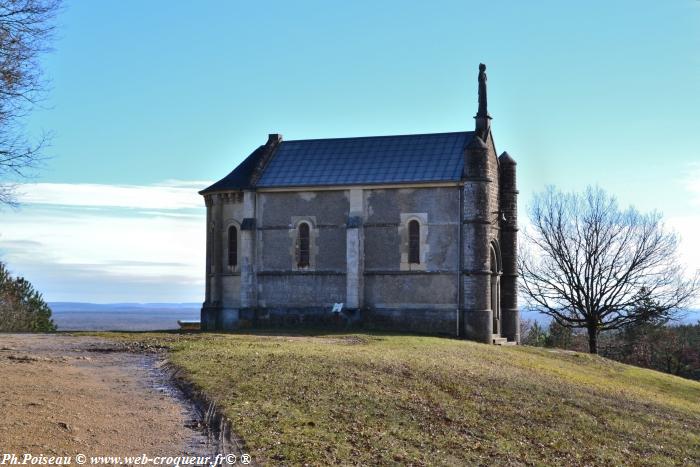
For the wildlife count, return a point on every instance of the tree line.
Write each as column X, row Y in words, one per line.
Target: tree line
column 22, row 308
column 670, row 348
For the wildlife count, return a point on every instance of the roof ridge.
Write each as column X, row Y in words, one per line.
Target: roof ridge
column 377, row 136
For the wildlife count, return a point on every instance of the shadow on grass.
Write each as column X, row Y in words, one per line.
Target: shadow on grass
column 322, row 332
column 308, row 331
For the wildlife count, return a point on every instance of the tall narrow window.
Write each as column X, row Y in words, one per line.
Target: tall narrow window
column 304, row 245
column 414, row 242
column 232, row 246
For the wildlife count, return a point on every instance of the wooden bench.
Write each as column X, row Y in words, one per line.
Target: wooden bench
column 189, row 325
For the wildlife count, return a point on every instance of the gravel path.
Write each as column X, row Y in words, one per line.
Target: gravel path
column 68, row 395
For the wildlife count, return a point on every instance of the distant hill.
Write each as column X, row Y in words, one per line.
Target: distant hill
column 687, row 317
column 72, row 306
column 77, row 316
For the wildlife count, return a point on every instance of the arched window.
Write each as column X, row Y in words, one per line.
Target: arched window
column 414, row 242
column 495, row 288
column 304, row 245
column 232, row 246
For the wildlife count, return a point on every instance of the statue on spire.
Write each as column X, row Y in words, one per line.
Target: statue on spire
column 483, row 111
column 483, row 119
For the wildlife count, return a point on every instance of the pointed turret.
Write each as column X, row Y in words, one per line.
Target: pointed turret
column 477, row 221
column 509, row 247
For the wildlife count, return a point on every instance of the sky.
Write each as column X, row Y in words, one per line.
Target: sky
column 151, row 101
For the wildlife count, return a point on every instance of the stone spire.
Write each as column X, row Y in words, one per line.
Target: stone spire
column 483, row 119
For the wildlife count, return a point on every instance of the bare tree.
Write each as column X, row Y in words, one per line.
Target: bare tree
column 26, row 27
column 589, row 264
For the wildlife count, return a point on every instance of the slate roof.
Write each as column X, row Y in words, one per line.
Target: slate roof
column 239, row 178
column 431, row 157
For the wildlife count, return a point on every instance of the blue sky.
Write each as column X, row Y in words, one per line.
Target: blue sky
column 151, row 100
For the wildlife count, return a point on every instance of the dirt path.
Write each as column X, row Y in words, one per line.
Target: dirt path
column 65, row 395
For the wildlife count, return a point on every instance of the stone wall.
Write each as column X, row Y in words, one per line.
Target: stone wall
column 413, row 297
column 358, row 255
column 383, row 291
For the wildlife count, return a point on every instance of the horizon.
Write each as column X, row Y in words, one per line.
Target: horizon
column 67, row 315
column 155, row 116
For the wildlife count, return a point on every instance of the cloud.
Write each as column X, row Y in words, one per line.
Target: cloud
column 19, row 245
column 84, row 283
column 106, row 243
column 687, row 227
column 692, row 183
column 169, row 195
column 197, row 185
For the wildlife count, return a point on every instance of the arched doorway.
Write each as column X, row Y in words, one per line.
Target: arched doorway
column 496, row 288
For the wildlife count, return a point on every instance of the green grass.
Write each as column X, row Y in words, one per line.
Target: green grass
column 384, row 399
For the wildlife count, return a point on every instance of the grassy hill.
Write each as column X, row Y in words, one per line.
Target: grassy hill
column 384, row 399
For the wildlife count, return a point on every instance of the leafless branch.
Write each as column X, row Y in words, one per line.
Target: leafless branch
column 589, row 264
column 26, row 30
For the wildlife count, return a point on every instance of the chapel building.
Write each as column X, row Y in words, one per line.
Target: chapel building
column 414, row 233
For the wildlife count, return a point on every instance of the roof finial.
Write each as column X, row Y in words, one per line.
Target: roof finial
column 483, row 123
column 483, row 107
